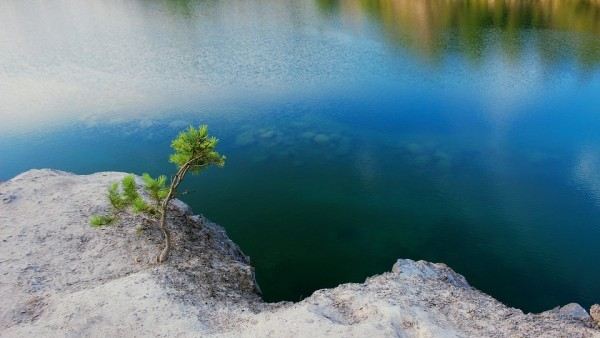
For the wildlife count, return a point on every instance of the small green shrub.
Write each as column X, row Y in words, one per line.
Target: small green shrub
column 156, row 188
column 130, row 193
column 119, row 200
column 114, row 197
column 140, row 206
column 98, row 221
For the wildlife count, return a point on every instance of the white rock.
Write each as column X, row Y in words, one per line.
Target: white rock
column 574, row 311
column 181, row 206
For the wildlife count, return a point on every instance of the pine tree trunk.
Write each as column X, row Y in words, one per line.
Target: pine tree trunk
column 164, row 254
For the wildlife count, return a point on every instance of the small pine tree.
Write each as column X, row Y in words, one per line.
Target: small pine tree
column 194, row 150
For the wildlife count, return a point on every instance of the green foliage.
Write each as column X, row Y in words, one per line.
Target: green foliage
column 196, row 150
column 115, row 198
column 98, row 221
column 130, row 193
column 121, row 200
column 156, row 187
column 139, row 206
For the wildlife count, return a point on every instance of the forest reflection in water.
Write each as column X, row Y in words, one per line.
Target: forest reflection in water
column 435, row 28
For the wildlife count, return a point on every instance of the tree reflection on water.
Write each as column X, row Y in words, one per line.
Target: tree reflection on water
column 435, row 28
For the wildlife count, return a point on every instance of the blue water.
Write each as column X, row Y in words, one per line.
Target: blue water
column 356, row 133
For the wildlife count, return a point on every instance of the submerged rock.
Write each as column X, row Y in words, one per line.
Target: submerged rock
column 178, row 124
column 414, row 148
column 321, row 138
column 267, row 133
column 308, row 135
column 245, row 138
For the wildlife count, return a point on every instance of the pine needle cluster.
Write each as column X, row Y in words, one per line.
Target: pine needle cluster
column 123, row 195
column 156, row 188
column 98, row 221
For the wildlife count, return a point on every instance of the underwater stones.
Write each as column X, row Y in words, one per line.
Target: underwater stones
column 414, row 148
column 269, row 137
column 428, row 154
column 147, row 123
column 245, row 138
column 321, row 138
column 338, row 138
column 308, row 135
column 289, row 141
column 266, row 133
column 178, row 124
column 441, row 155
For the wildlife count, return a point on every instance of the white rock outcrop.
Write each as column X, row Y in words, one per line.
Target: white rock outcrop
column 61, row 278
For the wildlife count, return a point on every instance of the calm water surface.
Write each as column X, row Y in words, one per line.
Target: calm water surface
column 356, row 132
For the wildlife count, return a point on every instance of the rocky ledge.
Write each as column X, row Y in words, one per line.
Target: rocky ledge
column 62, row 278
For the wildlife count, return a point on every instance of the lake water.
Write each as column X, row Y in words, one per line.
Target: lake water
column 357, row 132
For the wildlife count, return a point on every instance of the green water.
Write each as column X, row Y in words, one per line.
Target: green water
column 357, row 132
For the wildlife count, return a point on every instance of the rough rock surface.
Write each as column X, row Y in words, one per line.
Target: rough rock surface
column 595, row 313
column 62, row 278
